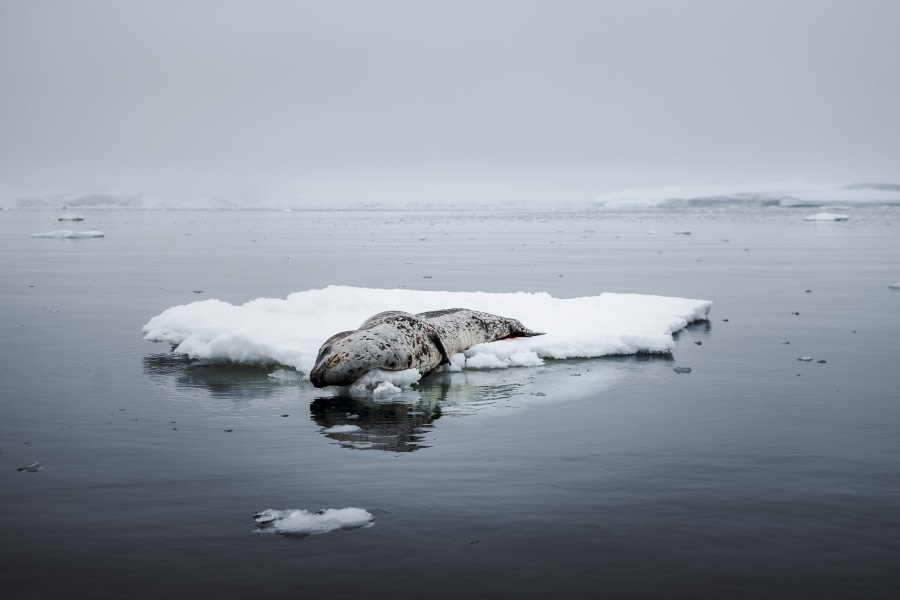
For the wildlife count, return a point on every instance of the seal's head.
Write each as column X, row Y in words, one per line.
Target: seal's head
column 342, row 359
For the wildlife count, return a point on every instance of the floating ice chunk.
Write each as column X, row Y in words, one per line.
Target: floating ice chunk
column 826, row 216
column 290, row 331
column 32, row 468
column 805, row 359
column 68, row 233
column 376, row 379
column 385, row 388
column 894, row 286
column 681, row 370
column 343, row 429
column 70, row 217
column 683, row 232
column 303, row 522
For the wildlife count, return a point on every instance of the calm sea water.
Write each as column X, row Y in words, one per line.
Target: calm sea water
column 754, row 476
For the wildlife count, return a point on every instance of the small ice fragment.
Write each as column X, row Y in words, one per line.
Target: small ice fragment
column 895, row 286
column 827, row 216
column 805, row 358
column 343, row 429
column 682, row 369
column 69, row 217
column 302, row 522
column 351, row 417
column 32, row 468
column 198, row 291
column 821, row 362
column 538, row 394
column 684, row 232
column 385, row 388
column 699, row 343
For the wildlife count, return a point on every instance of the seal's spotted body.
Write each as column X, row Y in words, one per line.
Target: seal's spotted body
column 395, row 341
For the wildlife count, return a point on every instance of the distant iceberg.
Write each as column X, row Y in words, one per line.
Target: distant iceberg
column 68, row 233
column 775, row 194
column 290, row 331
column 827, row 216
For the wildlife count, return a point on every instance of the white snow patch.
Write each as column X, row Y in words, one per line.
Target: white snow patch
column 290, row 331
column 343, row 429
column 827, row 216
column 303, row 522
column 68, row 233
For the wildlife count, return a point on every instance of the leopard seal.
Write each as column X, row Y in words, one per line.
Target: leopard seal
column 396, row 341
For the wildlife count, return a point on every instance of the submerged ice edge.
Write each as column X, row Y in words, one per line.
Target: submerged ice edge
column 289, row 331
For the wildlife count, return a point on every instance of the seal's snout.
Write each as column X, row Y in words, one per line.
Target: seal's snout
column 319, row 374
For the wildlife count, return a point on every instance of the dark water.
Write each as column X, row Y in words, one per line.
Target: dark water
column 754, row 476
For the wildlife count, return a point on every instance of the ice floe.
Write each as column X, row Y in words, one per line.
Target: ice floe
column 290, row 331
column 70, row 217
column 827, row 216
column 302, row 522
column 68, row 233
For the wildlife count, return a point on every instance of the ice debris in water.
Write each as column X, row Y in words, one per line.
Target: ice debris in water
column 70, row 217
column 827, row 216
column 302, row 522
column 290, row 331
column 343, row 429
column 385, row 383
column 32, row 468
column 805, row 358
column 682, row 369
column 894, row 286
column 68, row 233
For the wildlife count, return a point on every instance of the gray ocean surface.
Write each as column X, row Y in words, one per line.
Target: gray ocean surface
column 756, row 475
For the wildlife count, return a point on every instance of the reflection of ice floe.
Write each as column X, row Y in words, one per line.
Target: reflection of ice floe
column 827, row 216
column 289, row 331
column 302, row 522
column 68, row 233
column 343, row 429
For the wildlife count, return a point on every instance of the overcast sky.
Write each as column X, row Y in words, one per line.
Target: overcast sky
column 431, row 100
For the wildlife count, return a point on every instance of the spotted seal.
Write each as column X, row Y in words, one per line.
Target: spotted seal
column 396, row 341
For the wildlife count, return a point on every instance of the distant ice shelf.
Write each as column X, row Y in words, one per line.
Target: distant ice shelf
column 68, row 233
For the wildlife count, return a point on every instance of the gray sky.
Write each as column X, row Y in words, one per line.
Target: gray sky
column 419, row 100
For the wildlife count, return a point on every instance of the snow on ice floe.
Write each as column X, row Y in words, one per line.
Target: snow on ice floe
column 302, row 522
column 827, row 216
column 289, row 331
column 68, row 233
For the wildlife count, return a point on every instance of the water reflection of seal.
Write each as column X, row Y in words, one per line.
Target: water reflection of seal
column 390, row 426
column 396, row 341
